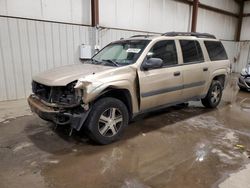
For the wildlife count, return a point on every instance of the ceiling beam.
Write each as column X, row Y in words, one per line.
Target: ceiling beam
column 246, row 14
column 238, row 1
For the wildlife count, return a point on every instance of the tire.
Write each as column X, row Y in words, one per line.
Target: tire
column 242, row 88
column 212, row 101
column 107, row 120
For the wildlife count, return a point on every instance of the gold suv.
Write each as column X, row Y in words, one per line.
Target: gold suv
column 130, row 77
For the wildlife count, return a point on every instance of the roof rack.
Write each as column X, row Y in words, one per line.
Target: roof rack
column 145, row 36
column 198, row 35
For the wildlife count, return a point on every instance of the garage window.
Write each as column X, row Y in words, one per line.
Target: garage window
column 191, row 51
column 216, row 50
column 166, row 51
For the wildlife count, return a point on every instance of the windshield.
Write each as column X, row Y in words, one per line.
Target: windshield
column 120, row 53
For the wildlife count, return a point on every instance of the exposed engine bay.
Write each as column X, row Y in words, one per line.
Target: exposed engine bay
column 61, row 96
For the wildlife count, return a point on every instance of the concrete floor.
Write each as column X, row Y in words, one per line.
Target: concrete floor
column 177, row 147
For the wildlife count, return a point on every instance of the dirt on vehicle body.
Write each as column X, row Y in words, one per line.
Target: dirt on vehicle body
column 130, row 77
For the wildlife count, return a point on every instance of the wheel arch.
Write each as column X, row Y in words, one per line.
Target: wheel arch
column 221, row 78
column 118, row 93
column 220, row 75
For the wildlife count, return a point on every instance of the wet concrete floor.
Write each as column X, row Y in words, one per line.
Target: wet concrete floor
column 177, row 147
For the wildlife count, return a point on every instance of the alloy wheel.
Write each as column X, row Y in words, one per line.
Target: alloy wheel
column 110, row 122
column 215, row 95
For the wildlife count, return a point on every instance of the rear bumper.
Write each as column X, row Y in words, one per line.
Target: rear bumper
column 60, row 117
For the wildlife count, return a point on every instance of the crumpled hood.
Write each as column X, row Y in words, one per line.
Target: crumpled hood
column 62, row 76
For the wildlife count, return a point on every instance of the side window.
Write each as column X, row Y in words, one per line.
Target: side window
column 191, row 51
column 166, row 51
column 216, row 50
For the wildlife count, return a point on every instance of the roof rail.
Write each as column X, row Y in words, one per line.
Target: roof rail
column 145, row 36
column 198, row 35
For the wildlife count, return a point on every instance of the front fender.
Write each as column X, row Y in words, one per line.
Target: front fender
column 91, row 94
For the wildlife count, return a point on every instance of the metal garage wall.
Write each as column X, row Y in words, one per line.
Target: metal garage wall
column 243, row 55
column 108, row 35
column 238, row 53
column 231, row 49
column 145, row 15
column 243, row 47
column 71, row 11
column 228, row 5
column 168, row 15
column 245, row 31
column 222, row 26
column 28, row 47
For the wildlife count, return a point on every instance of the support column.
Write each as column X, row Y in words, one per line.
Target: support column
column 94, row 13
column 194, row 15
column 238, row 32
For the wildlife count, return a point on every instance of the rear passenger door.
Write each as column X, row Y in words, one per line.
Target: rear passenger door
column 195, row 69
column 162, row 85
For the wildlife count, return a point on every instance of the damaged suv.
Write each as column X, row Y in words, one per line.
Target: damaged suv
column 130, row 77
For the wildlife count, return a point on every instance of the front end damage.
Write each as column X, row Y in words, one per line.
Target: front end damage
column 59, row 104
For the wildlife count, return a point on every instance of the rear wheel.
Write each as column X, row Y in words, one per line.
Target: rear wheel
column 107, row 120
column 213, row 96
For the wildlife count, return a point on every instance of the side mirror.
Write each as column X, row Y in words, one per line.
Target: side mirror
column 152, row 63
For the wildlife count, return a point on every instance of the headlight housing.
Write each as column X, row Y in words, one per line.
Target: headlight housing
column 244, row 72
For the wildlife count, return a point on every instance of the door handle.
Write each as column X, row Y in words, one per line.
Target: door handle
column 178, row 73
column 205, row 69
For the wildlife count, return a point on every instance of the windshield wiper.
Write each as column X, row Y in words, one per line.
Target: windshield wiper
column 95, row 61
column 110, row 61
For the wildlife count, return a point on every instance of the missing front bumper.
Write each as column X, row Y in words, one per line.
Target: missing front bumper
column 59, row 117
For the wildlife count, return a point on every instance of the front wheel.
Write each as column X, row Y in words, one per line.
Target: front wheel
column 213, row 96
column 107, row 120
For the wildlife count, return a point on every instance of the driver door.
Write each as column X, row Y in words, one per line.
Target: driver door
column 162, row 85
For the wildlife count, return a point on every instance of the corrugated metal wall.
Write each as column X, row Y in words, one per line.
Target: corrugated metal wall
column 242, row 56
column 28, row 47
column 71, row 11
column 106, row 36
column 168, row 15
column 228, row 5
column 222, row 26
column 238, row 53
column 145, row 15
column 245, row 32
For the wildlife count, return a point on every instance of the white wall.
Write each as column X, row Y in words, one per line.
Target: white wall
column 71, row 11
column 238, row 53
column 28, row 47
column 243, row 49
column 245, row 30
column 222, row 26
column 145, row 15
column 228, row 5
column 247, row 7
column 168, row 15
column 106, row 36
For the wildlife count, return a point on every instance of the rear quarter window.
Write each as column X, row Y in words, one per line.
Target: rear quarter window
column 191, row 51
column 216, row 50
